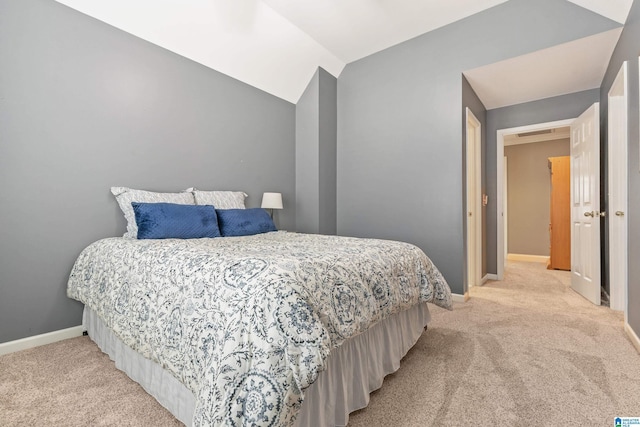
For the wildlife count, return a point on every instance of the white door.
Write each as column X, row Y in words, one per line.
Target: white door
column 617, row 208
column 585, row 204
column 474, row 236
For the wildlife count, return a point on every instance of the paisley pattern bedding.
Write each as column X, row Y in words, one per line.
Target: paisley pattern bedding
column 246, row 323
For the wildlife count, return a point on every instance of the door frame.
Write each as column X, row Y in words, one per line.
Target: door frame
column 505, row 205
column 618, row 289
column 474, row 232
column 501, row 180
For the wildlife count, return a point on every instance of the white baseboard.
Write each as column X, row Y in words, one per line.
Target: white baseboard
column 460, row 298
column 632, row 336
column 489, row 276
column 527, row 258
column 38, row 340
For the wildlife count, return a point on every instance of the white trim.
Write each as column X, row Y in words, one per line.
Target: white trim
column 474, row 163
column 505, row 207
column 632, row 336
column 460, row 298
column 489, row 276
column 38, row 340
column 500, row 220
column 527, row 258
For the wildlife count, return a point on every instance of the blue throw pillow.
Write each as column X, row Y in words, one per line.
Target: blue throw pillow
column 174, row 221
column 244, row 222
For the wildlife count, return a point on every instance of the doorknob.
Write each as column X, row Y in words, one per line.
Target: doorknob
column 619, row 213
column 589, row 214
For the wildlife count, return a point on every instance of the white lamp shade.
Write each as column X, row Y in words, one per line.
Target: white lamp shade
column 272, row 201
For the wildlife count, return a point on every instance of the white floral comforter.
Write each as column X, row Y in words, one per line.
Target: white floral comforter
column 246, row 323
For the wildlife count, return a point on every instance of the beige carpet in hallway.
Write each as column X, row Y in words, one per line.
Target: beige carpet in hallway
column 526, row 351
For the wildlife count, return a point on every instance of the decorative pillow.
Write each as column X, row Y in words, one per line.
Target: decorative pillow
column 220, row 199
column 125, row 196
column 174, row 221
column 244, row 222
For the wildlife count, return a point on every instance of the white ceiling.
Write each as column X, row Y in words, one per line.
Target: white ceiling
column 570, row 67
column 616, row 10
column 354, row 29
column 244, row 39
column 277, row 45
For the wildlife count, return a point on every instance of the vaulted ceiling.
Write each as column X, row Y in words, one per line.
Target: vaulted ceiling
column 277, row 45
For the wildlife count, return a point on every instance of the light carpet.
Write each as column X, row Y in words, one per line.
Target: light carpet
column 525, row 351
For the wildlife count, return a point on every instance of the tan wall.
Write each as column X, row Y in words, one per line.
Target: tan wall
column 528, row 185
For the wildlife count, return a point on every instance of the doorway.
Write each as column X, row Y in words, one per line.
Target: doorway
column 537, row 197
column 502, row 134
column 585, row 217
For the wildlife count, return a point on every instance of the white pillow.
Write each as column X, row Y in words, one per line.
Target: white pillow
column 220, row 199
column 124, row 197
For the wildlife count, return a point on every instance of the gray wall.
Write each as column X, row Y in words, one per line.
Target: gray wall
column 542, row 111
column 328, row 151
column 529, row 195
column 307, row 153
column 471, row 100
column 84, row 106
column 316, row 147
column 627, row 50
column 399, row 136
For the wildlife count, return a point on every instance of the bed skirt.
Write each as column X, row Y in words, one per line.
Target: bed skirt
column 354, row 369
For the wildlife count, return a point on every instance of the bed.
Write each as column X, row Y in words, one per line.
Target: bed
column 273, row 329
